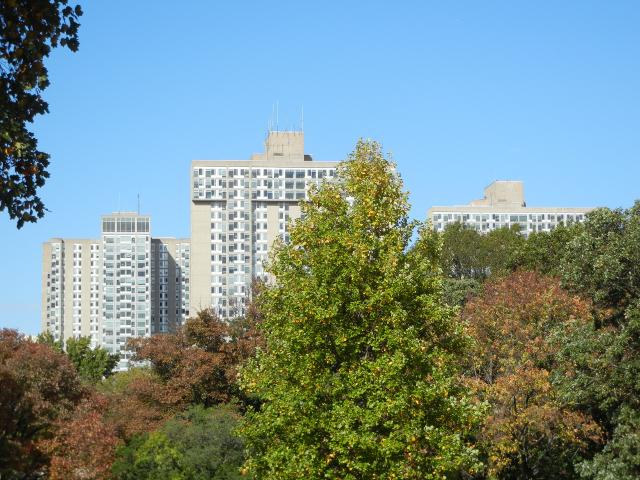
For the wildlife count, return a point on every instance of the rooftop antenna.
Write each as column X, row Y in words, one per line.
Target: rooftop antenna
column 302, row 119
column 277, row 108
column 273, row 114
column 138, row 204
column 118, row 202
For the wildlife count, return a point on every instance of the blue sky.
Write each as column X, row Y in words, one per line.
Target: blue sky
column 461, row 93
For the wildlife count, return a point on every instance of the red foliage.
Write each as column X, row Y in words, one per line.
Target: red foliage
column 196, row 365
column 191, row 364
column 84, row 444
column 38, row 386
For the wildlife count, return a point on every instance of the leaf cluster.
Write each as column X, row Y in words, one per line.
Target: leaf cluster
column 357, row 378
column 38, row 387
column 530, row 432
column 196, row 444
column 29, row 30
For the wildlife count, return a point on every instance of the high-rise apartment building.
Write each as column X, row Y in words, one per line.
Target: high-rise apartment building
column 503, row 205
column 126, row 281
column 71, row 272
column 170, row 261
column 124, row 285
column 238, row 209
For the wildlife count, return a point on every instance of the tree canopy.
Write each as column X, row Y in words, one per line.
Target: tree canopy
column 38, row 386
column 357, row 379
column 29, row 30
column 529, row 433
column 197, row 444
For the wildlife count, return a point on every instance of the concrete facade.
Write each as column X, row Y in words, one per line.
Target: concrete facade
column 124, row 285
column 238, row 209
column 170, row 265
column 503, row 205
column 70, row 288
column 126, row 281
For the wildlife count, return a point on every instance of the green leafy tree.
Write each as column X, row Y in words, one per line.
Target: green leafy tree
column 206, row 438
column 545, row 252
column 501, row 246
column 357, row 378
column 154, row 458
column 620, row 458
column 597, row 363
column 197, row 444
column 93, row 364
column 462, row 254
column 29, row 30
column 599, row 375
column 468, row 258
column 467, row 254
column 46, row 338
column 456, row 291
column 603, row 260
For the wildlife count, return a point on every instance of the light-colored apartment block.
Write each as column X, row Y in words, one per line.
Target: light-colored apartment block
column 71, row 288
column 124, row 285
column 238, row 209
column 170, row 262
column 126, row 282
column 503, row 205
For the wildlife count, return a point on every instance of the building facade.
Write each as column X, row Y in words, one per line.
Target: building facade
column 170, row 262
column 124, row 285
column 503, row 205
column 126, row 281
column 71, row 272
column 238, row 209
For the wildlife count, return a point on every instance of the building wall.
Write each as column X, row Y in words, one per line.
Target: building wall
column 200, row 279
column 116, row 287
column 170, row 264
column 52, row 285
column 238, row 209
column 126, row 283
column 504, row 206
column 69, row 289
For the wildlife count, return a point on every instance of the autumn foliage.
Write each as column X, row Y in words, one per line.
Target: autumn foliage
column 198, row 363
column 38, row 387
column 528, row 433
column 512, row 319
column 84, row 445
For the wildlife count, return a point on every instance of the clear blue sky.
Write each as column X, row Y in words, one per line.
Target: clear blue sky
column 462, row 93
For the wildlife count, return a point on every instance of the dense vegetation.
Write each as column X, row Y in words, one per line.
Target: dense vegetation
column 380, row 350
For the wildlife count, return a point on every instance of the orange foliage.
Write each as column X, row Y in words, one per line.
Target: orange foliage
column 139, row 408
column 528, row 433
column 511, row 320
column 195, row 365
column 84, row 444
column 527, row 426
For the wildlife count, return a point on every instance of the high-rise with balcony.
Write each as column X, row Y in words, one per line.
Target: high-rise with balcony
column 126, row 289
column 125, row 284
column 238, row 209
